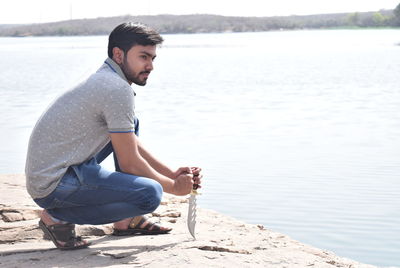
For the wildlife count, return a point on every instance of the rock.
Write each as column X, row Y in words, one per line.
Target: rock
column 21, row 233
column 172, row 220
column 17, row 214
column 171, row 214
column 94, row 230
column 116, row 254
column 260, row 226
column 12, row 216
column 224, row 249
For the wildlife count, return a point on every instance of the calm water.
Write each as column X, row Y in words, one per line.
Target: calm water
column 299, row 131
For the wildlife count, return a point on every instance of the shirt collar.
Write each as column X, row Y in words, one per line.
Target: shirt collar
column 115, row 68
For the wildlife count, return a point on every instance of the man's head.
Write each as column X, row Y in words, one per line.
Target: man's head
column 133, row 47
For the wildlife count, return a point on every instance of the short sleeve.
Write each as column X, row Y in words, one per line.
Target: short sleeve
column 119, row 111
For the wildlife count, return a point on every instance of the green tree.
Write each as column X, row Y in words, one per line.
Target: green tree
column 353, row 19
column 378, row 19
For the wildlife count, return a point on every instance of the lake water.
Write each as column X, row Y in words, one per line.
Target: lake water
column 298, row 131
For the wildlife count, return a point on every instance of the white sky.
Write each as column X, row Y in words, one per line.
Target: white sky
column 38, row 11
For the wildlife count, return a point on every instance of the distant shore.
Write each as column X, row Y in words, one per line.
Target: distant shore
column 283, row 30
column 206, row 23
column 221, row 241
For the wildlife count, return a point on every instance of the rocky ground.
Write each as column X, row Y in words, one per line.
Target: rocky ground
column 221, row 241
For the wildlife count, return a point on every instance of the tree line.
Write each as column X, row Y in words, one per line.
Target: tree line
column 168, row 24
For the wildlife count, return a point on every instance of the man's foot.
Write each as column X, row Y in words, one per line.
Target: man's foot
column 139, row 225
column 62, row 234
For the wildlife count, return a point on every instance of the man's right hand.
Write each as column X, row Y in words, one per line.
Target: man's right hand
column 183, row 184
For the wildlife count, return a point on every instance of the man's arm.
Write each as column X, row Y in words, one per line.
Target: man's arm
column 165, row 170
column 155, row 163
column 130, row 160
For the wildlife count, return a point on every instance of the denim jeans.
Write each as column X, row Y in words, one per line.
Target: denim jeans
column 90, row 194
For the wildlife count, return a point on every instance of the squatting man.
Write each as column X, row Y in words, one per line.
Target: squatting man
column 85, row 125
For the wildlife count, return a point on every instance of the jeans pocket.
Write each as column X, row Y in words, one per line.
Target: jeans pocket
column 87, row 171
column 68, row 185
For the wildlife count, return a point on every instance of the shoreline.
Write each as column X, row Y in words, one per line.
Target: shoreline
column 343, row 28
column 222, row 241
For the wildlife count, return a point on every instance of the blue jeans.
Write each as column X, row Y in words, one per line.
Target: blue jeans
column 90, row 194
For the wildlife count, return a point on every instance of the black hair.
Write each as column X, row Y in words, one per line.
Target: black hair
column 129, row 34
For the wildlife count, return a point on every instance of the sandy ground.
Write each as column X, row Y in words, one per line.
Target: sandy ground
column 221, row 241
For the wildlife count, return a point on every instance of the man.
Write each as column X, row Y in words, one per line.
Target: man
column 80, row 129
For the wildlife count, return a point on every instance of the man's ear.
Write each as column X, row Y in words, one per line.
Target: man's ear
column 118, row 55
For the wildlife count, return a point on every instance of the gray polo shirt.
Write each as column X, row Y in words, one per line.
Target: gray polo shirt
column 76, row 127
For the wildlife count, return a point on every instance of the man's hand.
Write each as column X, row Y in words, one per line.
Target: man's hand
column 196, row 171
column 183, row 184
column 180, row 171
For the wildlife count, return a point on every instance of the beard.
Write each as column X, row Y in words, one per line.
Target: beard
column 133, row 76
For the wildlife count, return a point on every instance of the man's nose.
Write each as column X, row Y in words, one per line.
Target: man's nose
column 149, row 66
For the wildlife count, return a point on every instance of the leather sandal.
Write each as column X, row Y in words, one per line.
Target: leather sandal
column 63, row 233
column 151, row 228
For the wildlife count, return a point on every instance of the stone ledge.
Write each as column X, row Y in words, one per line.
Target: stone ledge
column 222, row 241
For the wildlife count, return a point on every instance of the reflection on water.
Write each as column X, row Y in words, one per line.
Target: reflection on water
column 298, row 131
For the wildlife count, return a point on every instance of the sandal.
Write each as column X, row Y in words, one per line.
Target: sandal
column 151, row 228
column 63, row 233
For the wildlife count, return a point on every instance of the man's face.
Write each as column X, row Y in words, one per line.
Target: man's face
column 137, row 64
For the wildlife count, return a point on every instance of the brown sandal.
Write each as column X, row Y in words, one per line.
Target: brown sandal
column 151, row 228
column 63, row 233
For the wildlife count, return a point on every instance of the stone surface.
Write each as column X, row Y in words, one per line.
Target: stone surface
column 222, row 241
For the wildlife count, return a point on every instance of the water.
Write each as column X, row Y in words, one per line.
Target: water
column 298, row 131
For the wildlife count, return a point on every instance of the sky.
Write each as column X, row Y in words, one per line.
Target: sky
column 40, row 11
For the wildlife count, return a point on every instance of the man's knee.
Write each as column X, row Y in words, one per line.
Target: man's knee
column 153, row 193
